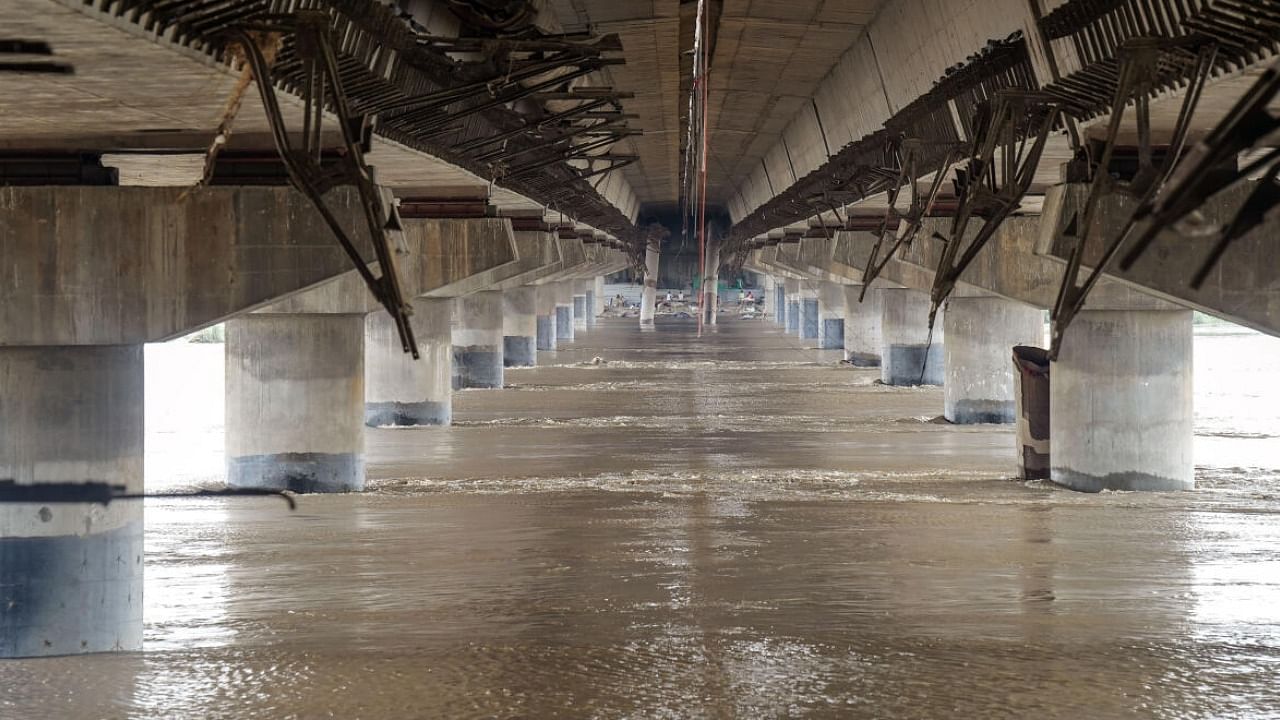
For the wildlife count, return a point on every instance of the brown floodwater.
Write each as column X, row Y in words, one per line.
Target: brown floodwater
column 737, row 527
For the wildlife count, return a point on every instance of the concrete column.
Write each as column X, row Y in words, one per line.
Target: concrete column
column 597, row 293
column 399, row 390
column 650, row 294
column 769, row 289
column 564, row 312
column 793, row 307
column 520, row 327
column 780, row 303
column 547, row 318
column 831, row 316
column 862, row 326
column 477, row 340
column 71, row 573
column 907, row 357
column 808, row 312
column 1121, row 402
column 295, row 402
column 590, row 284
column 981, row 333
column 710, row 305
column 580, row 299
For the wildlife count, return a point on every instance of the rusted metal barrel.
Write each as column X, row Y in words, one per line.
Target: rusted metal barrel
column 1032, row 393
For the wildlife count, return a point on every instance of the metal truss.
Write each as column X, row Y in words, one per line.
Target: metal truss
column 1143, row 64
column 1005, row 152
column 1201, row 176
column 912, row 155
column 321, row 89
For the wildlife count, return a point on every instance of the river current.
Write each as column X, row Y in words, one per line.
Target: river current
column 736, row 526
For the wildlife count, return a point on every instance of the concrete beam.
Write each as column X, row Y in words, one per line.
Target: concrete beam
column 1243, row 288
column 125, row 265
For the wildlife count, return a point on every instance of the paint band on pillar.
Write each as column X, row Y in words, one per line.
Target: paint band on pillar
column 520, row 327
column 71, row 573
column 564, row 312
column 908, row 355
column 546, row 318
column 295, row 402
column 401, row 391
column 477, row 341
column 831, row 315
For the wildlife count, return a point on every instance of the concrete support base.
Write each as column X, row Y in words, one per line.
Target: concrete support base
column 401, row 391
column 831, row 316
column 809, row 324
column 71, row 573
column 520, row 327
column 477, row 341
column 649, row 296
column 907, row 355
column 793, row 316
column 564, row 312
column 295, row 402
column 1121, row 402
column 981, row 334
column 862, row 326
column 546, row 318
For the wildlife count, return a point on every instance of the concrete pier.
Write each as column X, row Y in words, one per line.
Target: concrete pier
column 399, row 390
column 907, row 356
column 581, row 299
column 564, row 312
column 477, row 341
column 792, row 324
column 520, row 327
column 71, row 573
column 809, row 323
column 981, row 333
column 831, row 315
column 1121, row 402
column 599, row 301
column 295, row 402
column 649, row 296
column 862, row 326
column 546, row 299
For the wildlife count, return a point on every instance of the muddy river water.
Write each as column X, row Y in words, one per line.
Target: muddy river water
column 737, row 527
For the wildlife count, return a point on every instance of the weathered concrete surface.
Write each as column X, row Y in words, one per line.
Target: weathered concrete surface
column 981, row 334
column 399, row 390
column 477, row 341
column 1121, row 415
column 295, row 402
column 444, row 258
column 862, row 317
column 122, row 265
column 546, row 306
column 71, row 573
column 1243, row 288
column 908, row 355
column 831, row 316
column 520, row 327
column 538, row 251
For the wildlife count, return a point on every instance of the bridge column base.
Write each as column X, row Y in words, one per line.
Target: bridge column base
column 831, row 316
column 295, row 402
column 546, row 319
column 1121, row 402
column 520, row 327
column 71, row 573
column 981, row 333
column 907, row 356
column 862, row 327
column 564, row 312
column 477, row 341
column 809, row 322
column 580, row 306
column 401, row 391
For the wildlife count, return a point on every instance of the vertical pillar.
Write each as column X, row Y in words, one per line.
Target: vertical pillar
column 71, row 573
column 862, row 326
column 908, row 356
column 580, row 299
column 591, row 302
column 1121, row 402
column 547, row 317
column 710, row 305
column 793, row 307
column 520, row 327
column 780, row 302
column 600, row 300
column 649, row 297
column 808, row 312
column 831, row 316
column 981, row 334
column 295, row 402
column 399, row 390
column 564, row 312
column 769, row 289
column 477, row 341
